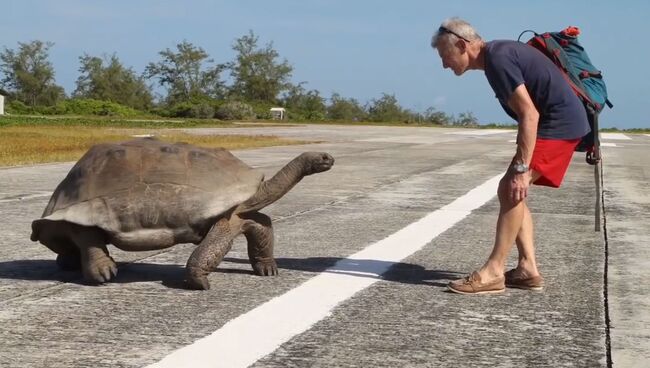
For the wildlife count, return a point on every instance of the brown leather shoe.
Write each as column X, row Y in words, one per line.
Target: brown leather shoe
column 472, row 284
column 526, row 283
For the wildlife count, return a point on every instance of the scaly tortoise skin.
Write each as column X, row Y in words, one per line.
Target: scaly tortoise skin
column 146, row 194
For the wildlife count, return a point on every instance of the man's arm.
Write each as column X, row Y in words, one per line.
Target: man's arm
column 528, row 117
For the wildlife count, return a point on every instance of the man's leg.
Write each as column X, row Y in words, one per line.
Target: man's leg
column 490, row 278
column 527, row 265
column 514, row 224
column 509, row 224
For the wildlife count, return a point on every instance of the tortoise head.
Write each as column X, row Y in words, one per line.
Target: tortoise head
column 315, row 162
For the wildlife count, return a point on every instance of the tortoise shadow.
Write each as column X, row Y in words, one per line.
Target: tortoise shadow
column 171, row 275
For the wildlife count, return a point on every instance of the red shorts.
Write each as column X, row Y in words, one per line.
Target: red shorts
column 551, row 159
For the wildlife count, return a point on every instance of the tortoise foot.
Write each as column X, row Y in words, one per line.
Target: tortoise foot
column 100, row 270
column 196, row 279
column 265, row 268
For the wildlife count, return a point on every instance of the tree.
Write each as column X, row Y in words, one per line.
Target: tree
column 432, row 116
column 386, row 108
column 187, row 74
column 29, row 76
column 345, row 109
column 108, row 80
column 466, row 119
column 256, row 73
column 307, row 105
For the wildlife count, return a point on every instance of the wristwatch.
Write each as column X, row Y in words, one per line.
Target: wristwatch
column 520, row 168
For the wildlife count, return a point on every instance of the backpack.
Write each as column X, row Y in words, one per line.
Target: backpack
column 587, row 83
column 585, row 80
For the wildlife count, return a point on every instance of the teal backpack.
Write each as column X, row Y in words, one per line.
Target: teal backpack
column 586, row 81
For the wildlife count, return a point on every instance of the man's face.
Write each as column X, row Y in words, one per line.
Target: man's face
column 454, row 57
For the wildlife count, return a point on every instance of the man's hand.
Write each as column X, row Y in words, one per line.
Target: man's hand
column 518, row 186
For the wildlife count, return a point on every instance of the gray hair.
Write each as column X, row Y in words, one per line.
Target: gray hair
column 456, row 27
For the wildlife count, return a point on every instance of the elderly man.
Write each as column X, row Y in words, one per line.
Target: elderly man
column 551, row 120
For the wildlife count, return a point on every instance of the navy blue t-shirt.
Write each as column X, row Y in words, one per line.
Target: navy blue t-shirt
column 508, row 64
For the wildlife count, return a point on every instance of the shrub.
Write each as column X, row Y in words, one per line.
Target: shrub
column 345, row 109
column 75, row 106
column 386, row 109
column 262, row 110
column 194, row 110
column 86, row 106
column 202, row 111
column 179, row 110
column 17, row 107
column 235, row 110
column 306, row 115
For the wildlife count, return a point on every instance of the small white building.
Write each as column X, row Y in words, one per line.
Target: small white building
column 278, row 113
column 2, row 105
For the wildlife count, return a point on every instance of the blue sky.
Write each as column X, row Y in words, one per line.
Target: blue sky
column 358, row 49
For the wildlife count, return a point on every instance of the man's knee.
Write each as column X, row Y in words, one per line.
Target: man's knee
column 504, row 195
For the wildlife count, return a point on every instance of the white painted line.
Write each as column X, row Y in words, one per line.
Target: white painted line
column 648, row 135
column 481, row 132
column 246, row 339
column 614, row 136
column 605, row 144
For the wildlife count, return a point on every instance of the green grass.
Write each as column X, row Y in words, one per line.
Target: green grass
column 92, row 121
column 31, row 140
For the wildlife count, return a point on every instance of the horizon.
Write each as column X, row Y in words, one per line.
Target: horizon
column 359, row 50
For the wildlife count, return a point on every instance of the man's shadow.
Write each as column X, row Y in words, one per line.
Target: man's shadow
column 172, row 275
column 401, row 272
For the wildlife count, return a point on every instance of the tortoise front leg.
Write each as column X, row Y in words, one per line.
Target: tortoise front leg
column 258, row 230
column 207, row 256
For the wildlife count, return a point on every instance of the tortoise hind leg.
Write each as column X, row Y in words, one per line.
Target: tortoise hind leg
column 69, row 261
column 259, row 234
column 97, row 266
column 207, row 256
column 68, row 256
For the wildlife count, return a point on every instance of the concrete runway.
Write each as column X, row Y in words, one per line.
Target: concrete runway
column 371, row 309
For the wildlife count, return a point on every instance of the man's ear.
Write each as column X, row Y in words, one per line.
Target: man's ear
column 462, row 45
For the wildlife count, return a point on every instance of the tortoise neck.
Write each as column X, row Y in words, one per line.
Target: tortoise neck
column 276, row 187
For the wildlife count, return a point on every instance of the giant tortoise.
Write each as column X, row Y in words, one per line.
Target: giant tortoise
column 146, row 194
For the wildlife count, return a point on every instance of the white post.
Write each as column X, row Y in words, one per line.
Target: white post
column 2, row 105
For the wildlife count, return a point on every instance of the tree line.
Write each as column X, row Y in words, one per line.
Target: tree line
column 195, row 86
